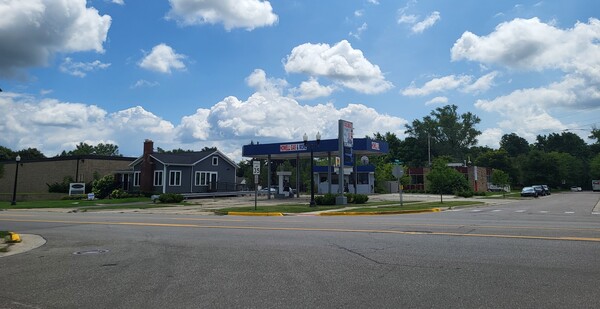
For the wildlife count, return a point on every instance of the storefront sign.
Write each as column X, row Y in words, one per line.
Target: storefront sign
column 292, row 147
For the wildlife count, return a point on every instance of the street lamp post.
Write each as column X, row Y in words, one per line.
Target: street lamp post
column 14, row 197
column 312, row 147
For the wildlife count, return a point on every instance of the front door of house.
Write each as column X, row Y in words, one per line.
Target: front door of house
column 213, row 182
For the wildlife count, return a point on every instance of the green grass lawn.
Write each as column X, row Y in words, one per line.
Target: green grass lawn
column 133, row 202
column 300, row 208
column 419, row 206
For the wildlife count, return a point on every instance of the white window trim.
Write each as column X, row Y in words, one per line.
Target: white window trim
column 136, row 178
column 198, row 180
column 171, row 173
column 215, row 160
column 158, row 178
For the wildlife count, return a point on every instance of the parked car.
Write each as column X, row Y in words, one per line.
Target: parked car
column 529, row 191
column 546, row 189
column 575, row 188
column 539, row 189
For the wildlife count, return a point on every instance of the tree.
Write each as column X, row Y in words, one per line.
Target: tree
column 178, row 150
column 450, row 133
column 444, row 179
column 30, row 154
column 501, row 179
column 595, row 167
column 87, row 149
column 567, row 142
column 496, row 159
column 514, row 144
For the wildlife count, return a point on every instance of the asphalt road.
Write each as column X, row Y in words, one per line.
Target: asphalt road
column 536, row 253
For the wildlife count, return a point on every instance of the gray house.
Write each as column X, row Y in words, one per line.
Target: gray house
column 189, row 172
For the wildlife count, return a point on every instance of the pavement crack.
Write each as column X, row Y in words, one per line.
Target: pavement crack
column 360, row 254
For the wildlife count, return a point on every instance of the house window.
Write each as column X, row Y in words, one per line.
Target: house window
column 158, row 178
column 204, row 178
column 136, row 179
column 215, row 161
column 175, row 178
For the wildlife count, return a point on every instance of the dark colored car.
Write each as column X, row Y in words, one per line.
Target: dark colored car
column 539, row 189
column 546, row 189
column 529, row 191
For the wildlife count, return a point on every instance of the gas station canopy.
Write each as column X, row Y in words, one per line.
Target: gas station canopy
column 328, row 147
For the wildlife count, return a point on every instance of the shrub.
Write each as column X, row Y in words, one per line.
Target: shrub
column 118, row 193
column 465, row 193
column 61, row 187
column 104, row 186
column 326, row 199
column 350, row 197
column 170, row 198
column 360, row 198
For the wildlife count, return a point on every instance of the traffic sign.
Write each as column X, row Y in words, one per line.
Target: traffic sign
column 256, row 167
column 398, row 171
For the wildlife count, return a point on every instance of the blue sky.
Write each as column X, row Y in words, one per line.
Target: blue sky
column 190, row 74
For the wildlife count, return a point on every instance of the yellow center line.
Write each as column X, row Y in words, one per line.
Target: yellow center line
column 568, row 238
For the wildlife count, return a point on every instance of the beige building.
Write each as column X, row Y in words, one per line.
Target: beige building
column 35, row 175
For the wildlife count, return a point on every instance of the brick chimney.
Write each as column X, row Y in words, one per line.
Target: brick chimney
column 147, row 170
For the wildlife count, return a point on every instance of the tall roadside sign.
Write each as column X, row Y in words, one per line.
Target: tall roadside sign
column 256, row 172
column 345, row 144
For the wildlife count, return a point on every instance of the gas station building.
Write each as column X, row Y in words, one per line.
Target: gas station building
column 358, row 178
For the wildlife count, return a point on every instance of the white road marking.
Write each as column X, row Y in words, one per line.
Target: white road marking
column 476, row 210
column 496, row 210
column 569, row 212
column 521, row 211
column 544, row 211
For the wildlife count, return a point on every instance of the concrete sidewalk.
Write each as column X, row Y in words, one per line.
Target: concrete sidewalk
column 28, row 242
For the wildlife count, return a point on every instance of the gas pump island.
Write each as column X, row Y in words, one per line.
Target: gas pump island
column 346, row 150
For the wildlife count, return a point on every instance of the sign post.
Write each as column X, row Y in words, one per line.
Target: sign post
column 256, row 172
column 398, row 172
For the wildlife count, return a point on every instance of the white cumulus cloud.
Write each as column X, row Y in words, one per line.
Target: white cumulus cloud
column 80, row 69
column 437, row 100
column 418, row 26
column 340, row 63
column 33, row 31
column 530, row 45
column 247, row 14
column 163, row 59
column 311, row 89
column 437, row 85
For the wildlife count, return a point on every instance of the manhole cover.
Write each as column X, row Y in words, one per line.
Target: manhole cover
column 95, row 251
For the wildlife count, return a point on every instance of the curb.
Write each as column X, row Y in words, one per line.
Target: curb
column 242, row 213
column 372, row 213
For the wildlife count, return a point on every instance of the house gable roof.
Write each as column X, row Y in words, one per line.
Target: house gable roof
column 185, row 158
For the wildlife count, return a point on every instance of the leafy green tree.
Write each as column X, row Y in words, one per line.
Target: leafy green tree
column 178, row 150
column 501, row 179
column 595, row 167
column 514, row 144
column 87, row 149
column 567, row 142
column 444, row 179
column 30, row 154
column 450, row 133
column 6, row 154
column 394, row 143
column 496, row 159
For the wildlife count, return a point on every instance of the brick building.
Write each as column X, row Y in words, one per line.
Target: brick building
column 34, row 175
